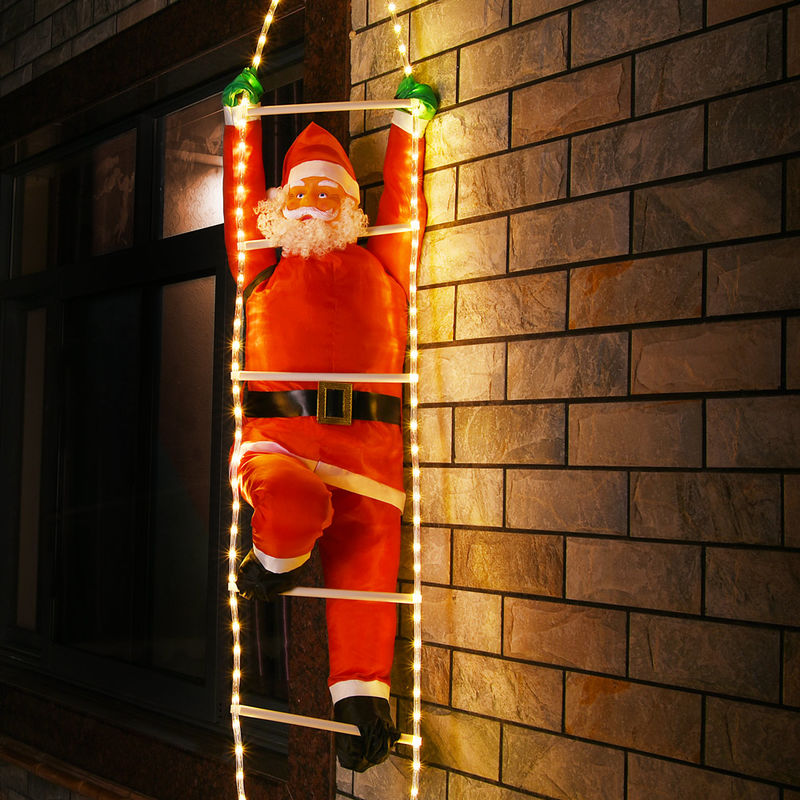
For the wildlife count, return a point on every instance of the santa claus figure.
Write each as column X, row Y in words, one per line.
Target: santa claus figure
column 323, row 463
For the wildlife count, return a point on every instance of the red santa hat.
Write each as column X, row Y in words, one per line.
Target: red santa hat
column 317, row 153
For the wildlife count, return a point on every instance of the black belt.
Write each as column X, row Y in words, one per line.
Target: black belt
column 333, row 404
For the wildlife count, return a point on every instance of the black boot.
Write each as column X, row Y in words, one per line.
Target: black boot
column 378, row 733
column 253, row 581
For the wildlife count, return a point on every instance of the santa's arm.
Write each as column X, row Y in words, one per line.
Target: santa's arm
column 245, row 149
column 395, row 206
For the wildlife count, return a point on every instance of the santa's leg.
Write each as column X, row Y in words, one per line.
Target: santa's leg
column 361, row 550
column 291, row 506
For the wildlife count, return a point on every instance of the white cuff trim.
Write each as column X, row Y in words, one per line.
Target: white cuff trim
column 354, row 688
column 405, row 121
column 280, row 564
column 230, row 113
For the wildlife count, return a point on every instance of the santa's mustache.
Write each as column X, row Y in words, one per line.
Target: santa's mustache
column 308, row 211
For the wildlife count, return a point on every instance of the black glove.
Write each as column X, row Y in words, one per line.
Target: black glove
column 378, row 733
column 253, row 581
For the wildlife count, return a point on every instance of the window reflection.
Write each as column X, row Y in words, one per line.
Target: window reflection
column 77, row 207
column 193, row 168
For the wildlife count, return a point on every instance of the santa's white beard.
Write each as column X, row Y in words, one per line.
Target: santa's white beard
column 310, row 237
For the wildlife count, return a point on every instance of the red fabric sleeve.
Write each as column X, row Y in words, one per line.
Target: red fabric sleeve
column 255, row 190
column 394, row 250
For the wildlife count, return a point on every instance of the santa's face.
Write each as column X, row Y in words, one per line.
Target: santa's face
column 314, row 198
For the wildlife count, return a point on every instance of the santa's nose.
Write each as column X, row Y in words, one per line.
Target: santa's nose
column 308, row 201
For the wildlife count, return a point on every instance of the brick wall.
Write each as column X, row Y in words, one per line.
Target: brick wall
column 610, row 374
column 37, row 35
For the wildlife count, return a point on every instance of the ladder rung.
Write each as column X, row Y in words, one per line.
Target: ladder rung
column 345, row 594
column 314, row 377
column 311, row 722
column 344, row 105
column 375, row 230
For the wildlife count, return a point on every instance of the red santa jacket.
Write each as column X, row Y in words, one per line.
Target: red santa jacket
column 342, row 312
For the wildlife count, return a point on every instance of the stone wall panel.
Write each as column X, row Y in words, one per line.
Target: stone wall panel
column 630, row 292
column 459, row 618
column 565, row 634
column 462, row 496
column 584, row 501
column 706, row 507
column 708, row 656
column 467, row 372
column 636, row 574
column 509, row 562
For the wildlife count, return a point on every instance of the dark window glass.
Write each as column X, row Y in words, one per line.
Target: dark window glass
column 77, row 207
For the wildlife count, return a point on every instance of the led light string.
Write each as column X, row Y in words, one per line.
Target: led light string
column 236, row 389
column 413, row 360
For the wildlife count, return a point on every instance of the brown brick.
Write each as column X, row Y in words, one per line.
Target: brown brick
column 509, row 562
column 392, row 779
column 512, row 306
column 736, row 129
column 629, row 292
column 581, row 230
column 661, row 721
column 586, row 501
column 468, row 131
column 656, row 779
column 435, row 434
column 459, row 618
column 436, row 314
column 609, row 27
column 791, row 669
column 435, row 555
column 793, row 353
column 709, row 656
column 753, row 432
column 440, row 26
column 753, row 740
column 713, row 357
column 637, row 152
column 723, row 10
column 709, row 64
column 639, row 574
column 706, row 507
column 379, row 10
column 793, row 43
column 761, row 276
column 468, row 372
column 374, row 51
column 791, row 510
column 793, row 194
column 727, row 206
column 513, row 180
column 440, row 193
column 653, row 433
column 754, row 585
column 527, row 9
column 137, row 12
column 461, row 741
column 33, row 43
column 567, row 635
column 506, row 689
column 434, row 673
column 561, row 768
column 474, row 250
column 462, row 496
column 367, row 153
column 530, row 434
column 514, row 57
column 574, row 102
column 465, row 788
column 589, row 365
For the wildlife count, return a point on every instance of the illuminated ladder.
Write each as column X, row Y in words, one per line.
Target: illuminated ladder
column 245, row 112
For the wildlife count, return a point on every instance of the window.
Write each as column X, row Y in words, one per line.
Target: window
column 115, row 311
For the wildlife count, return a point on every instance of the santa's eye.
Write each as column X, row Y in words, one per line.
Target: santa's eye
column 322, row 195
column 300, row 195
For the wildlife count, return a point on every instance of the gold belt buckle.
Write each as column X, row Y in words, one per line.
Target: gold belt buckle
column 335, row 403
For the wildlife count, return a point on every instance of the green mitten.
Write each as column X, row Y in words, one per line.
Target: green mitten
column 245, row 82
column 410, row 89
